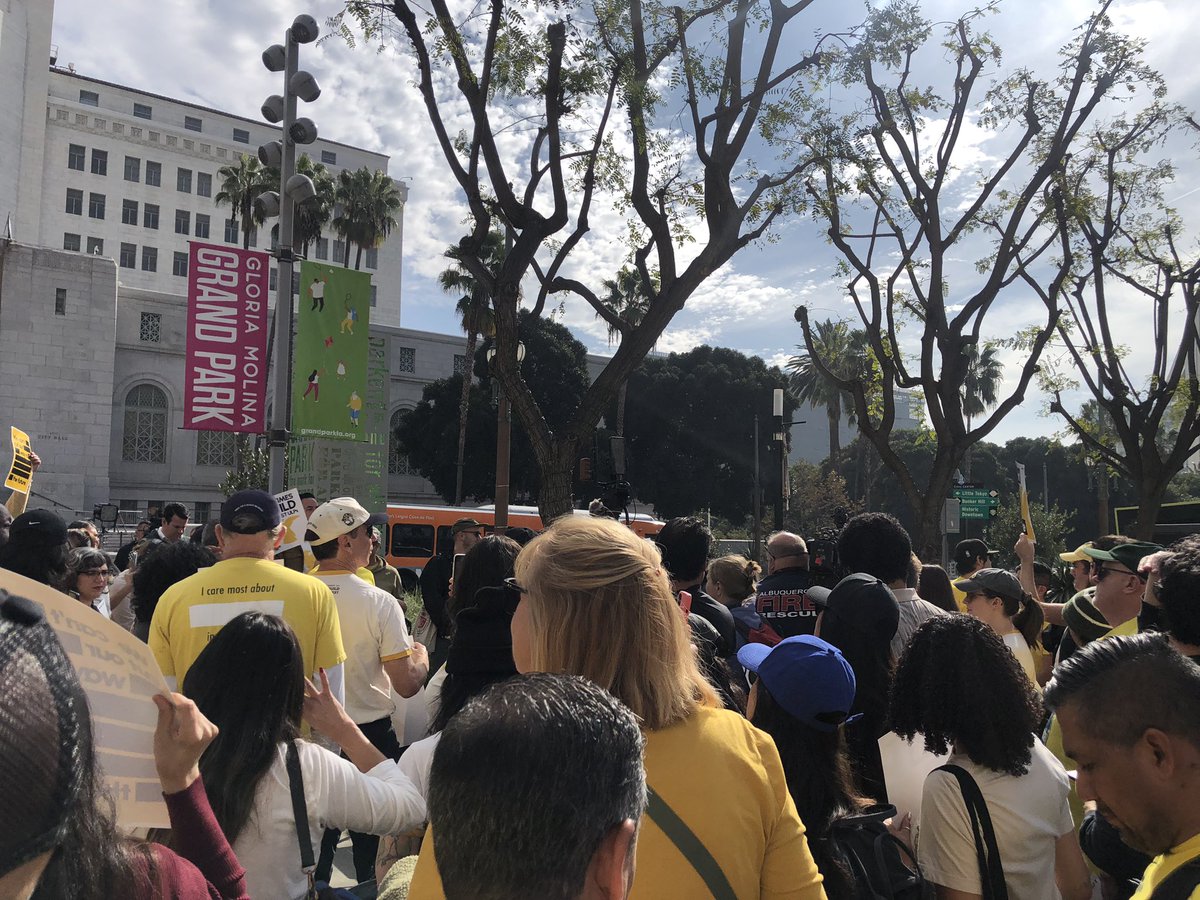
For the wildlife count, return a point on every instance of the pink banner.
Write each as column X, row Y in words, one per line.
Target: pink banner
column 226, row 377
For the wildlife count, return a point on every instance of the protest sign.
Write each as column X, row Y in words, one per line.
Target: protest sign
column 20, row 473
column 119, row 675
column 291, row 510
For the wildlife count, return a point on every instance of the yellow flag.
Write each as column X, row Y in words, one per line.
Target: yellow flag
column 20, row 474
column 1024, row 494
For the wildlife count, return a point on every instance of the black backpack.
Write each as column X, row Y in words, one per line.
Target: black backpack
column 1180, row 883
column 877, row 861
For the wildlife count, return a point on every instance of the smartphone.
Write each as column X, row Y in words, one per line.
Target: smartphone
column 133, row 560
column 458, row 563
column 685, row 602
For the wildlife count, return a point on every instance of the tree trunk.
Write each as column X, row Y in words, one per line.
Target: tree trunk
column 554, row 495
column 346, row 255
column 1103, row 513
column 834, row 414
column 1150, row 500
column 463, row 405
column 621, row 409
column 358, row 258
column 247, row 224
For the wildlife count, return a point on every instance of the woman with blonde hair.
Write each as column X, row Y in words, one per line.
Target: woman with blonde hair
column 596, row 602
column 733, row 579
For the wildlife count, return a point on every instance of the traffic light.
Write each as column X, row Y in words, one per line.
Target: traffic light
column 585, row 469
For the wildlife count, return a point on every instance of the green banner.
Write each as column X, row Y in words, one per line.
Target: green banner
column 329, row 369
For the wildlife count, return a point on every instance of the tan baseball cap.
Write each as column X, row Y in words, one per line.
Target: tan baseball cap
column 337, row 517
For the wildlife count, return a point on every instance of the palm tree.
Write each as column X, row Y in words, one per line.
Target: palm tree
column 368, row 201
column 628, row 298
column 240, row 185
column 837, row 347
column 984, row 371
column 474, row 308
column 314, row 214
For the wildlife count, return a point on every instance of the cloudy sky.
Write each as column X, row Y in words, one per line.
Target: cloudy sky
column 208, row 52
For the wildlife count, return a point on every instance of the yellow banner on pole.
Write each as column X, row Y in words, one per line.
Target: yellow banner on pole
column 20, row 473
column 1024, row 495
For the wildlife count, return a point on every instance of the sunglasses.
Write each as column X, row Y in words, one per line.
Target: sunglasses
column 1102, row 571
column 511, row 584
column 92, row 573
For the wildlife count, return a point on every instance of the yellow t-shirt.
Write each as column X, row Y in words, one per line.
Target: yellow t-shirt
column 190, row 613
column 960, row 596
column 1164, row 865
column 723, row 777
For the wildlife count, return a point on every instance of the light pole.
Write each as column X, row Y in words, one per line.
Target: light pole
column 293, row 189
column 503, row 444
column 780, row 438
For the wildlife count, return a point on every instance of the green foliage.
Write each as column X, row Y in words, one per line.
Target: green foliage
column 240, row 185
column 817, row 495
column 1050, row 526
column 368, row 201
column 254, row 472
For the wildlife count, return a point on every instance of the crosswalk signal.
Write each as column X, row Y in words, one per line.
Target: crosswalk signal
column 585, row 469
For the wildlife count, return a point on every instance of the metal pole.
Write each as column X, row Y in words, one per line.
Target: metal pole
column 1045, row 488
column 757, row 498
column 280, row 421
column 777, row 410
column 503, row 434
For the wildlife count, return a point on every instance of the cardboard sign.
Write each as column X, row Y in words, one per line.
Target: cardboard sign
column 905, row 766
column 20, row 473
column 119, row 675
column 295, row 523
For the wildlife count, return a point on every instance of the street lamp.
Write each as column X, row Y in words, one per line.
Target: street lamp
column 293, row 189
column 503, row 434
column 780, row 438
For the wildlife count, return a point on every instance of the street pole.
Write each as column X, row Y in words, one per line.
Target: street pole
column 757, row 498
column 777, row 412
column 283, row 296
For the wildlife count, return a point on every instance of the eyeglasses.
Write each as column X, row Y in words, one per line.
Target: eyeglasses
column 93, row 573
column 511, row 584
column 1101, row 571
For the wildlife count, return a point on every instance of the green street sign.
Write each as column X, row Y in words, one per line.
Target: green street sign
column 977, row 502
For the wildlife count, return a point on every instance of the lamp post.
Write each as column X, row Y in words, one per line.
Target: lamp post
column 503, row 445
column 293, row 189
column 780, row 438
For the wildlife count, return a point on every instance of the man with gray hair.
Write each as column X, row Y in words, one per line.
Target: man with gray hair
column 536, row 790
column 782, row 599
column 190, row 613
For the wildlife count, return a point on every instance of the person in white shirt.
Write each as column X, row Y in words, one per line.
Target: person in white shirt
column 380, row 656
column 249, row 681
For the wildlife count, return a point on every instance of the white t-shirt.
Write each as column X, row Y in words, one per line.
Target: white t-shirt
column 1015, row 642
column 1029, row 813
column 433, row 692
column 383, row 801
column 417, row 760
column 373, row 632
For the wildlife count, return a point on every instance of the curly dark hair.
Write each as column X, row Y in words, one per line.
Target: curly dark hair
column 877, row 544
column 1179, row 591
column 163, row 566
column 957, row 684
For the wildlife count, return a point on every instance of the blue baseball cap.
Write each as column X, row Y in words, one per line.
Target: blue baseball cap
column 807, row 676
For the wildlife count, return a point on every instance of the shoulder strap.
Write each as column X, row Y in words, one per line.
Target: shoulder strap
column 991, row 871
column 689, row 845
column 1180, row 883
column 300, row 811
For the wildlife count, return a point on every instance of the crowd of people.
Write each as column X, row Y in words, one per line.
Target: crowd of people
column 610, row 716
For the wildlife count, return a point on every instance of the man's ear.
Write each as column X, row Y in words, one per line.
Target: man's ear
column 279, row 538
column 610, row 873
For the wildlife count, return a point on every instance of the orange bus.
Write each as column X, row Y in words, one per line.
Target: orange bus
column 418, row 533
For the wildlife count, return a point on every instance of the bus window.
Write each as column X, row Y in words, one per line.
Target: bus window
column 445, row 541
column 412, row 540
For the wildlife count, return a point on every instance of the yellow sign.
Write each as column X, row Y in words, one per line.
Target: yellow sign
column 20, row 474
column 1023, row 491
column 119, row 675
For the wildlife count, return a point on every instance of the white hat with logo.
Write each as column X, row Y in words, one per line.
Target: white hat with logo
column 337, row 517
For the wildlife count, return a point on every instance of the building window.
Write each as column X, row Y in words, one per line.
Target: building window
column 150, row 216
column 203, row 184
column 60, row 301
column 191, row 123
column 322, row 248
column 460, row 364
column 99, row 162
column 231, row 231
column 96, row 206
column 129, row 212
column 74, row 202
column 215, row 448
column 179, row 264
column 397, row 460
column 202, row 511
column 150, row 328
column 95, row 246
column 153, row 173
column 339, row 251
column 273, row 280
column 89, row 98
column 241, row 135
column 149, row 259
column 183, row 221
column 328, row 157
column 406, row 359
column 70, row 241
column 128, row 259
column 372, row 257
column 145, row 438
column 202, row 225
column 133, row 168
column 142, row 111
column 374, row 295
column 75, row 156
column 254, row 237
column 295, row 284
column 183, row 181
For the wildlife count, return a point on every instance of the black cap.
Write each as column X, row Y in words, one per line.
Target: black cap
column 864, row 600
column 259, row 504
column 966, row 552
column 41, row 521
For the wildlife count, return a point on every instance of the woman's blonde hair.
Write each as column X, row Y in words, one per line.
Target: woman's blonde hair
column 738, row 575
column 600, row 606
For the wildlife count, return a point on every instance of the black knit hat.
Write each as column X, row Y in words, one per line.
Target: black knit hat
column 45, row 731
column 482, row 642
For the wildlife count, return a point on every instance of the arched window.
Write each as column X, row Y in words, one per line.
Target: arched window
column 397, row 460
column 145, row 425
